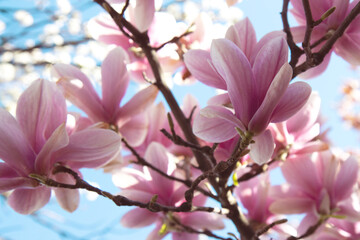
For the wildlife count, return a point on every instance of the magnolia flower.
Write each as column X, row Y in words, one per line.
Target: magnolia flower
column 37, row 140
column 253, row 195
column 347, row 46
column 141, row 185
column 129, row 118
column 259, row 95
column 318, row 185
column 162, row 29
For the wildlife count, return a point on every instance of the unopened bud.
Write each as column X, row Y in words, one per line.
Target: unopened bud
column 327, row 13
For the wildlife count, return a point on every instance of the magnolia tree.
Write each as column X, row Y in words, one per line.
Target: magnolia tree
column 168, row 164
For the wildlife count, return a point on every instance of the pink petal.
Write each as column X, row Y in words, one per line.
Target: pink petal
column 202, row 220
column 154, row 234
column 15, row 149
column 115, row 79
column 138, row 218
column 295, row 169
column 216, row 124
column 29, row 200
column 197, row 61
column 306, row 116
column 155, row 124
column 277, row 89
column 263, row 148
column 79, row 90
column 291, row 205
column 294, row 98
column 144, row 14
column 184, row 235
column 156, row 155
column 263, row 41
column 314, row 146
column 90, row 148
column 243, row 35
column 138, row 103
column 59, row 139
column 163, row 27
column 9, row 179
column 135, row 129
column 346, row 179
column 129, row 178
column 308, row 221
column 40, row 110
column 104, row 29
column 348, row 47
column 298, row 33
column 309, row 134
column 220, row 99
column 189, row 103
column 67, row 198
column 272, row 56
column 203, row 30
column 316, row 71
column 138, row 195
column 254, row 196
column 233, row 66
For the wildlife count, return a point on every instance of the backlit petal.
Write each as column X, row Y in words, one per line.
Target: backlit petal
column 197, row 61
column 216, row 124
column 262, row 117
column 40, row 110
column 29, row 200
column 15, row 149
column 295, row 97
column 78, row 89
column 234, row 67
column 115, row 79
column 263, row 148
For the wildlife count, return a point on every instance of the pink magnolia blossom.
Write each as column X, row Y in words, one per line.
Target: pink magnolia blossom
column 318, row 185
column 37, row 140
column 142, row 185
column 255, row 198
column 347, row 46
column 162, row 29
column 129, row 118
column 299, row 131
column 259, row 95
column 253, row 195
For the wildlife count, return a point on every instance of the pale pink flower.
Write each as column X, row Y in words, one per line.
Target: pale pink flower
column 259, row 94
column 37, row 140
column 255, row 198
column 253, row 195
column 129, row 118
column 163, row 28
column 141, row 185
column 299, row 131
column 318, row 185
column 347, row 46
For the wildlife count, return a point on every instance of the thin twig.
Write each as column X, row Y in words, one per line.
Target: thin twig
column 296, row 52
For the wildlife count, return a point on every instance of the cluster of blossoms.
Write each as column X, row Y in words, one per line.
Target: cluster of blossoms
column 260, row 123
